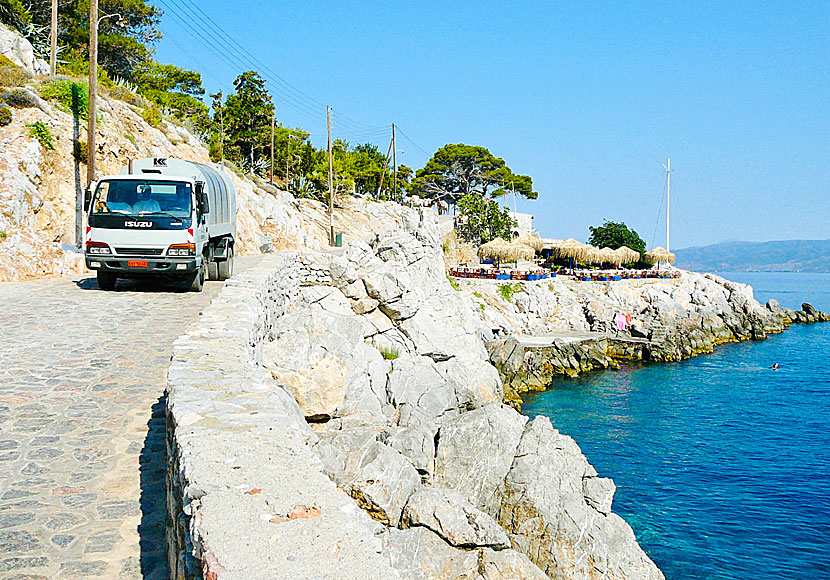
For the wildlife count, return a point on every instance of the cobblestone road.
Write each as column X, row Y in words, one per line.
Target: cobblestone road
column 82, row 432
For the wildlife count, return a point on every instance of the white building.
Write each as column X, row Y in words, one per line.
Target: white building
column 524, row 223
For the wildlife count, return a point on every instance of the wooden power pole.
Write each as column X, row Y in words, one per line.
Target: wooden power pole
column 394, row 164
column 53, row 56
column 272, row 150
column 331, row 183
column 93, row 89
column 385, row 164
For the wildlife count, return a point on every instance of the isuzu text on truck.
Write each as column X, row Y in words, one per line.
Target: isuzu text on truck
column 161, row 218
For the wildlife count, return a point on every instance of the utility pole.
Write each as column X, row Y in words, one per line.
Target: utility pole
column 394, row 164
column 93, row 89
column 221, row 129
column 287, row 160
column 331, row 184
column 385, row 163
column 272, row 150
column 53, row 57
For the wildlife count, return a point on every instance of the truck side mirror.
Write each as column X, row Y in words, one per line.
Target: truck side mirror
column 202, row 198
column 204, row 205
column 88, row 194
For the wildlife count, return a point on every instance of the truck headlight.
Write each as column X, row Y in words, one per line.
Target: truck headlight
column 182, row 250
column 97, row 248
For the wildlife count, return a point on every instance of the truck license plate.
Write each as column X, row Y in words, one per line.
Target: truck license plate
column 137, row 263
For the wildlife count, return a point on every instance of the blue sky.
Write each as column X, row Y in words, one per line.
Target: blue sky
column 587, row 99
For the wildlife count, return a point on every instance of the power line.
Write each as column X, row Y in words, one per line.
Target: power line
column 287, row 90
column 418, row 147
column 233, row 60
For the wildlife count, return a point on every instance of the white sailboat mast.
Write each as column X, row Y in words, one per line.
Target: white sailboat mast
column 668, row 201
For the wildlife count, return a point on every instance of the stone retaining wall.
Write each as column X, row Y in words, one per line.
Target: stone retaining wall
column 241, row 476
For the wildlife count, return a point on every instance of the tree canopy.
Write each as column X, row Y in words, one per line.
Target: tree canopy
column 615, row 235
column 460, row 170
column 248, row 112
column 483, row 220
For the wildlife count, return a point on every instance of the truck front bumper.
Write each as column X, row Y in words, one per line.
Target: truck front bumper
column 156, row 266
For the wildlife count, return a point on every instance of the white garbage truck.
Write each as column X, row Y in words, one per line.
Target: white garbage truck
column 161, row 218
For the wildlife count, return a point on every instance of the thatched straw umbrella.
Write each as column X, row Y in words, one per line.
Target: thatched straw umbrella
column 534, row 242
column 627, row 255
column 572, row 249
column 498, row 249
column 609, row 256
column 519, row 251
column 660, row 254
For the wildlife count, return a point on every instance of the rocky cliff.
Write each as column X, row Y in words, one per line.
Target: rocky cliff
column 384, row 384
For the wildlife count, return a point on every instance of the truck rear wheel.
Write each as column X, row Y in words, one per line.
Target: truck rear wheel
column 213, row 270
column 106, row 280
column 226, row 266
column 198, row 281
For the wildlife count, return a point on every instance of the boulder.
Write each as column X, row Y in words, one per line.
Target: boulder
column 19, row 50
column 447, row 513
column 418, row 554
column 599, row 493
column 475, row 451
column 551, row 504
column 319, row 354
column 416, row 443
column 383, row 484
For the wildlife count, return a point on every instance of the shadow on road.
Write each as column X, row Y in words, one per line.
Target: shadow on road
column 137, row 285
column 153, row 469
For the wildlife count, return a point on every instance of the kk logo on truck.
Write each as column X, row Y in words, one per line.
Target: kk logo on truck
column 160, row 162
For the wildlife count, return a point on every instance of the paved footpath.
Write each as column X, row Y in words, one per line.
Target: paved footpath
column 82, row 429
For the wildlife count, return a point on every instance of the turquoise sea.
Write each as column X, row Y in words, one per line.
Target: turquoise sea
column 722, row 465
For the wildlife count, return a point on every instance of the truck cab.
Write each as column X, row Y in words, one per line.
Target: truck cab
column 156, row 220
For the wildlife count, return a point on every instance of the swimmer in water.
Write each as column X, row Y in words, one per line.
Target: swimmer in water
column 774, row 367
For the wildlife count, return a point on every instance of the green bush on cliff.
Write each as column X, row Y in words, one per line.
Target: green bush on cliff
column 11, row 75
column 18, row 98
column 508, row 290
column 80, row 151
column 41, row 132
column 389, row 352
column 152, row 115
column 5, row 116
column 71, row 97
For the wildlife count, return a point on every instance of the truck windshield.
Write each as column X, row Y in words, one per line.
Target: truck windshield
column 141, row 197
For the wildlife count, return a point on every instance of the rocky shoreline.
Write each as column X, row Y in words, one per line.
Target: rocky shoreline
column 337, row 416
column 675, row 319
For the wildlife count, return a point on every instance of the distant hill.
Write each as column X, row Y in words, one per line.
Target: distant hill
column 782, row 256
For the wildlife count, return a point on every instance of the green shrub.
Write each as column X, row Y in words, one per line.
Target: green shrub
column 389, row 352
column 453, row 283
column 18, row 98
column 130, row 137
column 477, row 294
column 508, row 290
column 41, row 132
column 3, row 235
column 80, row 151
column 126, row 95
column 11, row 75
column 5, row 116
column 72, row 97
column 152, row 115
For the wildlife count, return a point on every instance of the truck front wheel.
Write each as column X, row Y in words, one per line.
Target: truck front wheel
column 198, row 281
column 106, row 280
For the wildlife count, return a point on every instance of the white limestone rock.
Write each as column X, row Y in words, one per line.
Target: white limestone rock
column 447, row 513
